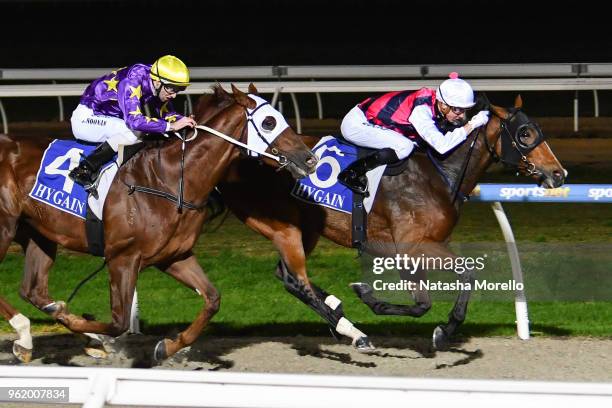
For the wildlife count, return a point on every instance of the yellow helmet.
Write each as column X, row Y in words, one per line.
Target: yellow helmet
column 170, row 70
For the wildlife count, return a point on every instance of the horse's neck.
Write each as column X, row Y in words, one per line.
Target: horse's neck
column 205, row 160
column 479, row 161
column 210, row 155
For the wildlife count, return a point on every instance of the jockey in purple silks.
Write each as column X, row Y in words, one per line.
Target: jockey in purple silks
column 111, row 111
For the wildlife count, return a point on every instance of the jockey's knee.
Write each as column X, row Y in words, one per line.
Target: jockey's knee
column 387, row 155
column 404, row 150
column 123, row 138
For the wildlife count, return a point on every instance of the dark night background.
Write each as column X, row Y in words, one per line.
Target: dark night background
column 80, row 33
column 292, row 32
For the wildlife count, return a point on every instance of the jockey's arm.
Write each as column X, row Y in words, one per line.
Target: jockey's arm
column 166, row 112
column 422, row 120
column 129, row 92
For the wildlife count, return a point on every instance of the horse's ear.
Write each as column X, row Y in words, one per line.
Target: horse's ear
column 242, row 98
column 518, row 101
column 499, row 111
column 252, row 89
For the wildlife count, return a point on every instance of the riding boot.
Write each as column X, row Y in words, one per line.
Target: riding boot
column 354, row 175
column 85, row 173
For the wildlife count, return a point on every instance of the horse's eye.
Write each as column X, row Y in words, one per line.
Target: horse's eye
column 269, row 123
column 525, row 137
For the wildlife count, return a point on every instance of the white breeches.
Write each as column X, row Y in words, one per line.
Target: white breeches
column 356, row 128
column 88, row 126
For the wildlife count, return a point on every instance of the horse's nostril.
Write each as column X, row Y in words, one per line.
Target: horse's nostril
column 558, row 175
column 312, row 161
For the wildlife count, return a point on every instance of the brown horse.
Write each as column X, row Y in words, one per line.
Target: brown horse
column 141, row 229
column 414, row 213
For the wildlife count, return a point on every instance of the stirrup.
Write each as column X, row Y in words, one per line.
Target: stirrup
column 359, row 189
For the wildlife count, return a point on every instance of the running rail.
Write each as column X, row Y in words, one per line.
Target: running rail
column 95, row 387
column 498, row 193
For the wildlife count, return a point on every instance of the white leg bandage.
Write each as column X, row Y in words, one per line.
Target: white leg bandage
column 346, row 328
column 333, row 302
column 21, row 324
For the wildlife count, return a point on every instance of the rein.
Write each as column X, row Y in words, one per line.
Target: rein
column 178, row 199
column 510, row 141
column 464, row 166
column 516, row 151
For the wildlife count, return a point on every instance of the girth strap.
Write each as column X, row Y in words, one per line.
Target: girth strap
column 170, row 197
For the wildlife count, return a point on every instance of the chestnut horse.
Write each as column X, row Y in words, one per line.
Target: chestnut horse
column 141, row 229
column 414, row 213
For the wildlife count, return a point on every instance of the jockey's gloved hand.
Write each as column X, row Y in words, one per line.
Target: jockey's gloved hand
column 480, row 119
column 183, row 122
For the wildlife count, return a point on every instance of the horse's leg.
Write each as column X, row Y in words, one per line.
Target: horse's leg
column 422, row 304
column 442, row 333
column 123, row 273
column 39, row 258
column 22, row 347
column 291, row 269
column 190, row 273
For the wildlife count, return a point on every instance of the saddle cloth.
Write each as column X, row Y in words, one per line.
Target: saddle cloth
column 53, row 186
column 322, row 187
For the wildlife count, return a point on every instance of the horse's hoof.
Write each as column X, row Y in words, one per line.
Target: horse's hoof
column 361, row 288
column 23, row 354
column 55, row 308
column 363, row 345
column 160, row 353
column 441, row 340
column 96, row 353
column 102, row 342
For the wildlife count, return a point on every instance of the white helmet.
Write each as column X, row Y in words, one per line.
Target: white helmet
column 456, row 92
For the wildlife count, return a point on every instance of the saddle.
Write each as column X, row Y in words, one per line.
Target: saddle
column 94, row 227
column 359, row 215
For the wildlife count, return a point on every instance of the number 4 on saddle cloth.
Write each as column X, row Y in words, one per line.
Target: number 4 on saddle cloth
column 53, row 186
column 322, row 187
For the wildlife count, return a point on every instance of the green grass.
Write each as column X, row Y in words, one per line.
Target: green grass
column 241, row 264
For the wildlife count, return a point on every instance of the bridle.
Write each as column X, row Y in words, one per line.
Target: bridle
column 514, row 134
column 282, row 160
column 513, row 130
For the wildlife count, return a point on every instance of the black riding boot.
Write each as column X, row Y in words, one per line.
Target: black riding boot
column 85, row 173
column 354, row 176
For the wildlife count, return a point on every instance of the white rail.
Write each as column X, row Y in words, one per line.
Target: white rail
column 521, row 77
column 95, row 387
column 293, row 87
column 337, row 71
column 547, row 84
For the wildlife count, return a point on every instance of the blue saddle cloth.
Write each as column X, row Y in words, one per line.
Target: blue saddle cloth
column 322, row 187
column 53, row 186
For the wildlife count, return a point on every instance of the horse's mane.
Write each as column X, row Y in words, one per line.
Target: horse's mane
column 210, row 104
column 207, row 107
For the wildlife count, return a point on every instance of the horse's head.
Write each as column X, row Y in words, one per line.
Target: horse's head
column 513, row 139
column 258, row 125
column 269, row 131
